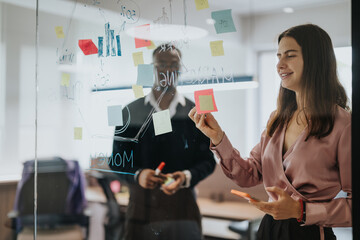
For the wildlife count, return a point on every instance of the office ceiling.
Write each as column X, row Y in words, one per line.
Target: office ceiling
column 248, row 7
column 243, row 7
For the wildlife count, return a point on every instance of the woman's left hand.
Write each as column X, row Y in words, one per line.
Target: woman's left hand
column 283, row 208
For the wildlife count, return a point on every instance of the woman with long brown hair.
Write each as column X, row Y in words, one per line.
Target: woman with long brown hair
column 304, row 154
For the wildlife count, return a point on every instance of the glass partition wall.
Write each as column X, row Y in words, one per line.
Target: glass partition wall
column 77, row 120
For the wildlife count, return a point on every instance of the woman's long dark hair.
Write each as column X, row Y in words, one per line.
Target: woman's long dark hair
column 321, row 90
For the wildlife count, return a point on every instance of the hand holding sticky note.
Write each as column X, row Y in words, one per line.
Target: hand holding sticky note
column 244, row 195
column 205, row 101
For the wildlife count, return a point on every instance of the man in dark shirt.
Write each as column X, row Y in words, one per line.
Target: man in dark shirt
column 157, row 211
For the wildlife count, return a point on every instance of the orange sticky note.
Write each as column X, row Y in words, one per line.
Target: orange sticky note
column 143, row 30
column 217, row 48
column 87, row 46
column 205, row 101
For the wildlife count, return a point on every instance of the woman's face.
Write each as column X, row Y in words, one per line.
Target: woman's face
column 291, row 64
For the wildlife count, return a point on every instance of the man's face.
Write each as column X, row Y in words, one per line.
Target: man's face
column 167, row 66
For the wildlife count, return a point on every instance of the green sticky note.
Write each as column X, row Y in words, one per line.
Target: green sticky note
column 162, row 122
column 206, row 103
column 223, row 21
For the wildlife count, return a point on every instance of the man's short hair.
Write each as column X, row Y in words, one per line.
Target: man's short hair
column 165, row 47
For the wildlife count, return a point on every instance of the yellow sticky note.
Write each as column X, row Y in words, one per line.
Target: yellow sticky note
column 217, row 48
column 138, row 58
column 152, row 45
column 206, row 103
column 65, row 79
column 59, row 32
column 162, row 122
column 138, row 91
column 201, row 4
column 77, row 133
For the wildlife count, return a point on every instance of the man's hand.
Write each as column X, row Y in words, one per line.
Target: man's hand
column 176, row 185
column 148, row 179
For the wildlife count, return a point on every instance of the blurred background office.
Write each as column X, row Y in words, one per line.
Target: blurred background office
column 87, row 59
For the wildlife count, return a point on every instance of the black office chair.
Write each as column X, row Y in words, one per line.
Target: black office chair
column 60, row 201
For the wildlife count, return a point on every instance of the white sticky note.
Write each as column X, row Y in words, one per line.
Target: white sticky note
column 115, row 117
column 138, row 91
column 138, row 58
column 77, row 133
column 162, row 122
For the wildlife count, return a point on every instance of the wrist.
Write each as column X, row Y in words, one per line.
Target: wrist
column 218, row 138
column 302, row 214
column 137, row 174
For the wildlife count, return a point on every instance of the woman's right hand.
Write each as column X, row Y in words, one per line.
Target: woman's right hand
column 207, row 124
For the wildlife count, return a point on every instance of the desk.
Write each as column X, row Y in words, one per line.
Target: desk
column 229, row 210
column 216, row 215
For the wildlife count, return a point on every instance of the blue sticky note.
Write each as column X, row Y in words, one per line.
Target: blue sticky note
column 115, row 117
column 145, row 76
column 223, row 21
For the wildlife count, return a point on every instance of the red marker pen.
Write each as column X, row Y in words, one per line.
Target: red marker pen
column 159, row 168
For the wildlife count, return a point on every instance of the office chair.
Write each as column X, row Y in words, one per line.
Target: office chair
column 60, row 201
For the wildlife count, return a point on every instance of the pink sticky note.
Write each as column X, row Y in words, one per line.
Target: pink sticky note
column 88, row 47
column 142, row 30
column 205, row 101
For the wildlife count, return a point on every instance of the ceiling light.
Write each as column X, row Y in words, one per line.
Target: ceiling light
column 167, row 32
column 210, row 21
column 288, row 10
